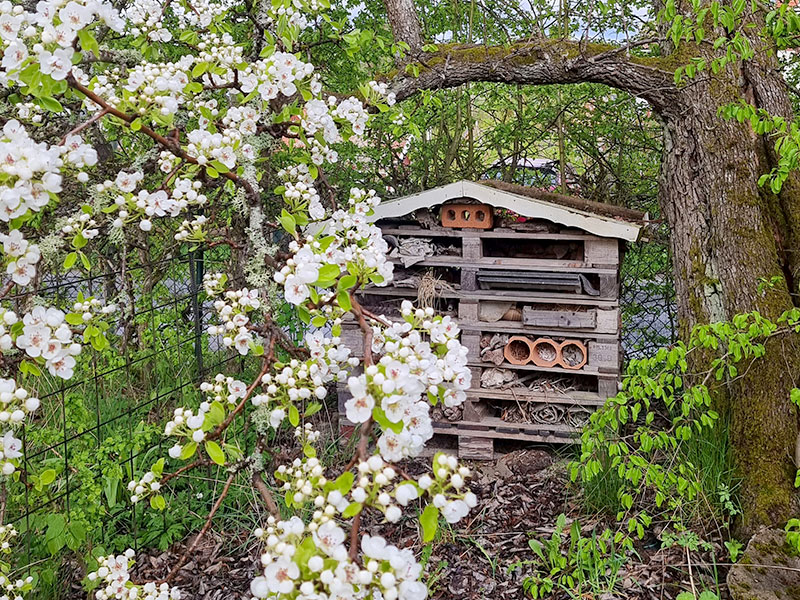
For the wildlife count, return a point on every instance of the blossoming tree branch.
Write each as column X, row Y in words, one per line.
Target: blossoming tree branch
column 202, row 103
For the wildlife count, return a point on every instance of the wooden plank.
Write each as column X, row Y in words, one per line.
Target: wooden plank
column 589, row 369
column 601, row 251
column 469, row 279
column 571, row 398
column 513, row 327
column 353, row 338
column 475, row 448
column 526, row 264
column 607, row 387
column 543, row 437
column 476, row 411
column 609, row 285
column 516, row 296
column 501, row 233
column 559, row 318
column 608, row 321
column 472, row 341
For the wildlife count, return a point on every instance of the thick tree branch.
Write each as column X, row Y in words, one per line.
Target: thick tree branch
column 404, row 22
column 542, row 62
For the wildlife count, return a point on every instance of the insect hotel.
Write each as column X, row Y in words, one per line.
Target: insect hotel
column 532, row 278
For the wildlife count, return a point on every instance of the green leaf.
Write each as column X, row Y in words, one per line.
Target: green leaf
column 79, row 241
column 47, row 477
column 88, row 42
column 70, row 260
column 344, row 482
column 216, row 413
column 294, row 416
column 74, row 318
column 158, row 467
column 85, row 261
column 136, row 125
column 343, row 300
column 51, row 104
column 188, row 450
column 429, row 519
column 157, row 502
column 352, row 510
column 347, row 282
column 215, row 453
column 287, row 221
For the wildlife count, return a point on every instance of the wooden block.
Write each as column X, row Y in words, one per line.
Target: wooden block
column 609, row 286
column 476, row 377
column 475, row 410
column 608, row 321
column 559, row 318
column 604, row 356
column 468, row 310
column 607, row 387
column 475, row 448
column 472, row 248
column 469, row 280
column 353, row 338
column 601, row 251
column 472, row 341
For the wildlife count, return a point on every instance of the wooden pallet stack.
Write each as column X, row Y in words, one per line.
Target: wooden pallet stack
column 537, row 302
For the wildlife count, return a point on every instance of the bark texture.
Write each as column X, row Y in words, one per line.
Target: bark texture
column 727, row 232
column 404, row 23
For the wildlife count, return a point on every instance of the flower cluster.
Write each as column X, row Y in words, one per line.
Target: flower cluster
column 308, row 562
column 422, row 362
column 294, row 383
column 81, row 225
column 374, row 475
column 54, row 27
column 185, row 423
column 113, row 573
column 226, row 390
column 21, row 255
column 155, row 88
column 446, row 488
column 300, row 193
column 191, row 231
column 15, row 402
column 301, row 480
column 147, row 485
column 352, row 243
column 145, row 205
column 30, row 172
column 45, row 334
column 232, row 310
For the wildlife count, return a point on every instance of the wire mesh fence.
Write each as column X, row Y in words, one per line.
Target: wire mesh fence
column 649, row 315
column 101, row 427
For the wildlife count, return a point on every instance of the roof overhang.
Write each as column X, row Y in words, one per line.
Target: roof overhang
column 522, row 205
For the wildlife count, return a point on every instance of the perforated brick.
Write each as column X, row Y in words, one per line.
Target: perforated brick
column 474, row 216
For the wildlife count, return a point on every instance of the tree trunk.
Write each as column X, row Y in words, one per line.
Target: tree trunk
column 727, row 233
